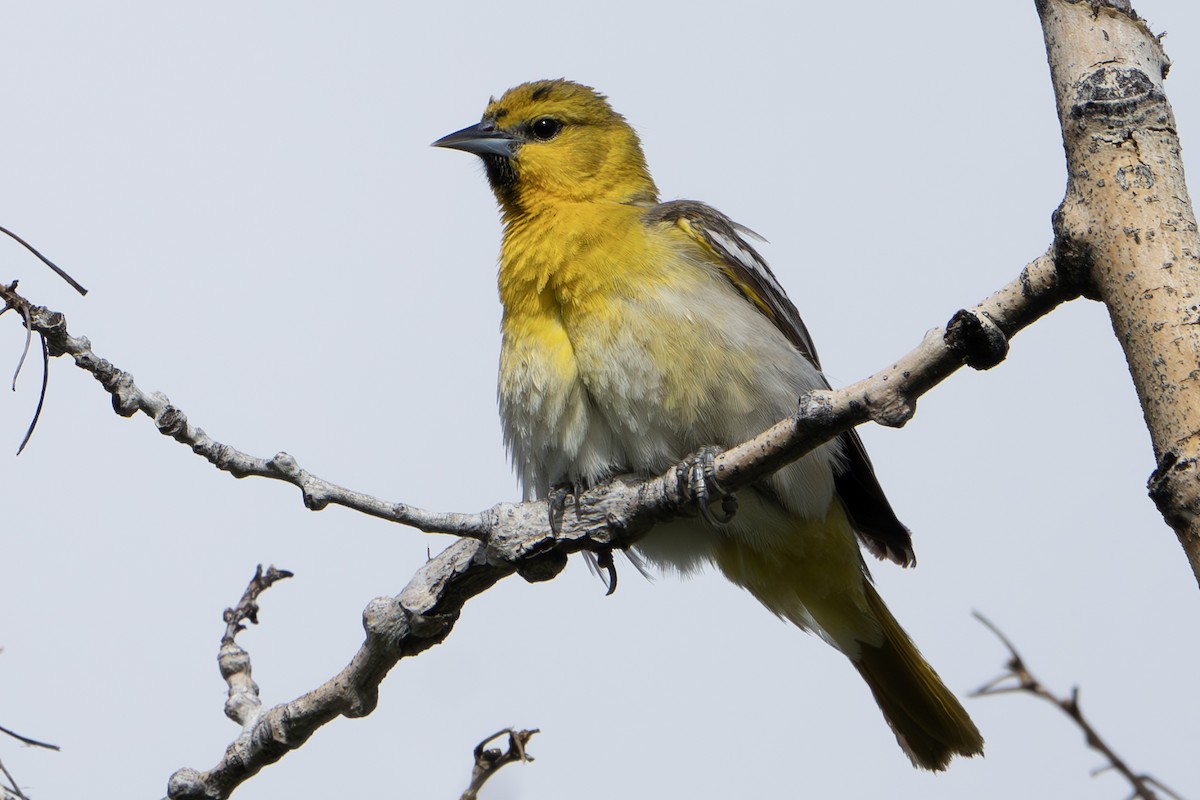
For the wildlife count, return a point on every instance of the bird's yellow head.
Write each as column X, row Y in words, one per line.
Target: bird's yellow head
column 554, row 141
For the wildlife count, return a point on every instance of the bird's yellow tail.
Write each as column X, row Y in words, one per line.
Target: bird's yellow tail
column 929, row 722
column 814, row 577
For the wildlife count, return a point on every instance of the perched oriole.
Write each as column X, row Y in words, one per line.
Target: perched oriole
column 636, row 332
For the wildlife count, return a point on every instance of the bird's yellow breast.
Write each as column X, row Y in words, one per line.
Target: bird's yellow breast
column 573, row 284
column 625, row 348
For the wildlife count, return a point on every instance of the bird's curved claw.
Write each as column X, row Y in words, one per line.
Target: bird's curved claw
column 608, row 569
column 701, row 479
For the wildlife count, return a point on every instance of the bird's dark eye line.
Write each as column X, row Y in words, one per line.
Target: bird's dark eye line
column 545, row 128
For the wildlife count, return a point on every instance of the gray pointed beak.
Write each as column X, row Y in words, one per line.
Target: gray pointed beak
column 484, row 139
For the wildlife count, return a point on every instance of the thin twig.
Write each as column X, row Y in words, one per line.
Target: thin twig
column 247, row 608
column 28, row 337
column 74, row 284
column 1018, row 678
column 27, row 740
column 25, row 312
column 489, row 761
column 12, row 790
column 37, row 412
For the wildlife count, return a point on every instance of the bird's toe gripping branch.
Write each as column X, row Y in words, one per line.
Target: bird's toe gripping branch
column 557, row 502
column 699, row 471
column 601, row 561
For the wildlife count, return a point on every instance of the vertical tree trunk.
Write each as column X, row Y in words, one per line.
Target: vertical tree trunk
column 1126, row 230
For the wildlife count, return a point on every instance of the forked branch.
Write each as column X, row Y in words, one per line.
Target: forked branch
column 489, row 760
column 1018, row 678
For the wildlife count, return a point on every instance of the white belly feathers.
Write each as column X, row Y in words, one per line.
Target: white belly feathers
column 626, row 399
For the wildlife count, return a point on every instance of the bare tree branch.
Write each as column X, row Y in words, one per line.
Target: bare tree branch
column 488, row 761
column 1018, row 678
column 978, row 337
column 519, row 537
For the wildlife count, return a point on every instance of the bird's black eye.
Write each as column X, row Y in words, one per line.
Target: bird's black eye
column 545, row 128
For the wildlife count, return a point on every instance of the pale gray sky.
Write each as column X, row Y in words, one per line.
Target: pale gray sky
column 248, row 191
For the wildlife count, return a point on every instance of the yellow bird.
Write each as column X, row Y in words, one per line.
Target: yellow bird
column 636, row 332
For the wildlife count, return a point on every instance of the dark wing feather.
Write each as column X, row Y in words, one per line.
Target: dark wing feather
column 869, row 510
column 868, row 507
